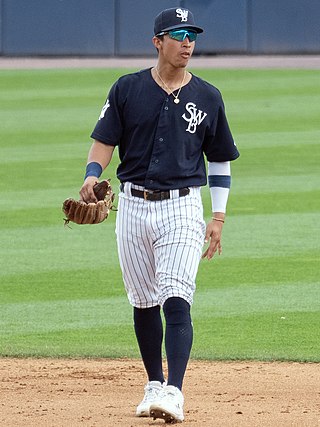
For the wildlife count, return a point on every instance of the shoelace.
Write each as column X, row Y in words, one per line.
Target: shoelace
column 150, row 393
column 170, row 394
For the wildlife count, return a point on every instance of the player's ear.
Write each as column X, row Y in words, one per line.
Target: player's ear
column 157, row 42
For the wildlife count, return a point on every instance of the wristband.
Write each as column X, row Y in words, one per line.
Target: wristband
column 93, row 169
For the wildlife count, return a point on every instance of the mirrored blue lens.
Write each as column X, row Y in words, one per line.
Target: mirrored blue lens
column 180, row 35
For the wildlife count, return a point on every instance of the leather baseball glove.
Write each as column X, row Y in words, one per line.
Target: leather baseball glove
column 81, row 212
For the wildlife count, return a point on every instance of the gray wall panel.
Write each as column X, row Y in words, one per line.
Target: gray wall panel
column 286, row 26
column 41, row 27
column 135, row 25
column 1, row 28
column 224, row 22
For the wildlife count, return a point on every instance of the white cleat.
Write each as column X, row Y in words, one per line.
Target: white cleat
column 168, row 406
column 151, row 393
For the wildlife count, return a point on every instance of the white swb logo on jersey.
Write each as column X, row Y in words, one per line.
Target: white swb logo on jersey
column 104, row 109
column 183, row 14
column 195, row 118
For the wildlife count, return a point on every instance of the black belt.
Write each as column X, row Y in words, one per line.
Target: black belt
column 156, row 195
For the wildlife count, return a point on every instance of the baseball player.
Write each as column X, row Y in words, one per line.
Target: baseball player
column 165, row 122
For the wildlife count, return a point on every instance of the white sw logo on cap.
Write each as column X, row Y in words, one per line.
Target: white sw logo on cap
column 183, row 14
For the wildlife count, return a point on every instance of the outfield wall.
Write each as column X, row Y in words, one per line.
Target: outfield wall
column 125, row 27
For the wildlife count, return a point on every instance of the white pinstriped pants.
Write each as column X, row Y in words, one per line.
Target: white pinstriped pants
column 159, row 246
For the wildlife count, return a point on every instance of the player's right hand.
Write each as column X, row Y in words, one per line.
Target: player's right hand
column 86, row 192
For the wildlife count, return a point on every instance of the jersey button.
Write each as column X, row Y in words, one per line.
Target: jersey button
column 161, row 139
column 156, row 161
column 166, row 108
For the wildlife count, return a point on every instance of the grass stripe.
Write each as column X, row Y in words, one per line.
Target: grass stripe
column 87, row 313
column 259, row 337
column 276, row 311
column 37, row 245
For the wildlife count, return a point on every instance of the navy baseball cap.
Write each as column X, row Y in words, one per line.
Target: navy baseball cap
column 174, row 18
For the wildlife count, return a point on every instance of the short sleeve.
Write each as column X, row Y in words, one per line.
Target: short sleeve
column 109, row 127
column 219, row 145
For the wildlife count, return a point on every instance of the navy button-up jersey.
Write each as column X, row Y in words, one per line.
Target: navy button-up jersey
column 162, row 144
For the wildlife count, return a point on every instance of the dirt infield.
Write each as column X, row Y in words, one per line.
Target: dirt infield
column 104, row 393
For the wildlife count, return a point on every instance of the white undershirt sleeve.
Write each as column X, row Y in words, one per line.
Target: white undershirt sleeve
column 219, row 177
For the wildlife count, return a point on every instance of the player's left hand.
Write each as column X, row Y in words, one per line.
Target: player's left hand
column 213, row 236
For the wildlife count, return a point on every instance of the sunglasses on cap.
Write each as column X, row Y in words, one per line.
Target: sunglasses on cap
column 180, row 35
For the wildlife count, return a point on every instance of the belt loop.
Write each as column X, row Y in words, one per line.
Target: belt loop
column 174, row 194
column 127, row 189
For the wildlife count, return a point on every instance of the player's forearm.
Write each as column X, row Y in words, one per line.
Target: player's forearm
column 100, row 153
column 98, row 159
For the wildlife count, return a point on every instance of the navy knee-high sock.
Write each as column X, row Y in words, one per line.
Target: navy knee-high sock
column 178, row 338
column 149, row 333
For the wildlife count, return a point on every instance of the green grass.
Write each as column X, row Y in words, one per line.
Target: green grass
column 61, row 292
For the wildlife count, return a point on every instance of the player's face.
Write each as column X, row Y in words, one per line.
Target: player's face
column 177, row 53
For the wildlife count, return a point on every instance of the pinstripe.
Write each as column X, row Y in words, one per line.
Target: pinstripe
column 159, row 246
column 142, row 231
column 123, row 250
column 127, row 264
column 134, row 217
column 135, row 252
column 181, row 263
